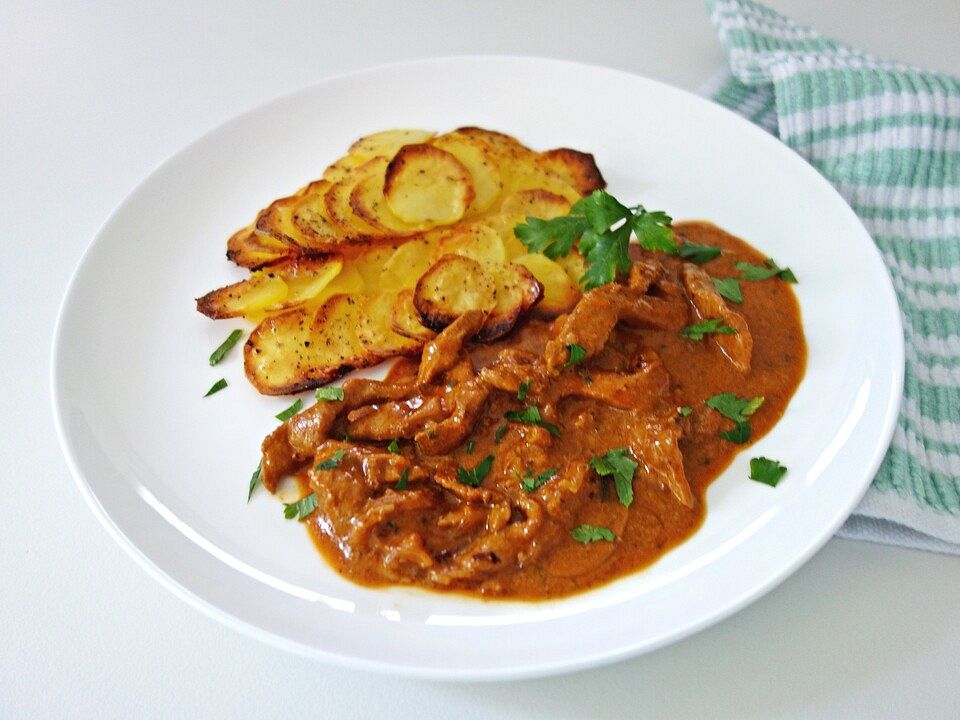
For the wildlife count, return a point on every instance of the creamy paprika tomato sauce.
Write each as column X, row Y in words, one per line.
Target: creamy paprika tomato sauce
column 487, row 468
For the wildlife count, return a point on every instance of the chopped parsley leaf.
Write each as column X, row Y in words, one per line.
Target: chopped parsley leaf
column 331, row 462
column 216, row 387
column 474, row 476
column 328, row 393
column 698, row 254
column 301, row 508
column 530, row 415
column 404, row 479
column 737, row 409
column 394, row 446
column 759, row 272
column 530, row 482
column 254, row 481
column 767, row 471
column 225, row 347
column 524, row 389
column 290, row 411
column 714, row 326
column 729, row 288
column 470, row 446
column 685, row 410
column 622, row 467
column 498, row 435
column 587, row 534
column 577, row 354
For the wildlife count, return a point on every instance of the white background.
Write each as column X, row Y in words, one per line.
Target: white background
column 93, row 95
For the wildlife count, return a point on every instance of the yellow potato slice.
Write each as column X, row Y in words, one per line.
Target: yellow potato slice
column 306, row 219
column 410, row 261
column 368, row 203
column 300, row 348
column 560, row 293
column 574, row 265
column 504, row 225
column 376, row 331
column 424, row 184
column 369, row 265
column 578, row 169
column 283, row 285
column 516, row 290
column 526, row 172
column 338, row 211
column 478, row 241
column 386, row 143
column 453, row 285
column 342, row 167
column 249, row 249
column 405, row 321
column 535, row 202
column 478, row 158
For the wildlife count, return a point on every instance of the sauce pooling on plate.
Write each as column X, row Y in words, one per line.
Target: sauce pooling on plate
column 565, row 454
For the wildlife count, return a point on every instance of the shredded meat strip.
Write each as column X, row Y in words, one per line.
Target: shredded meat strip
column 709, row 304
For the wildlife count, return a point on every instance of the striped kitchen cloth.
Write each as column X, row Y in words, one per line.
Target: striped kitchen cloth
column 887, row 136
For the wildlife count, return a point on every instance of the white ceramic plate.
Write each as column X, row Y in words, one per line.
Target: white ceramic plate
column 166, row 471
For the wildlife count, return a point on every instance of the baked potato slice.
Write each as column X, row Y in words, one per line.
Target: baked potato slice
column 560, row 293
column 405, row 321
column 338, row 211
column 574, row 265
column 453, row 285
column 579, row 169
column 478, row 158
column 478, row 241
column 424, row 184
column 369, row 204
column 342, row 167
column 376, row 331
column 386, row 143
column 535, row 202
column 249, row 249
column 275, row 287
column 516, row 290
column 303, row 348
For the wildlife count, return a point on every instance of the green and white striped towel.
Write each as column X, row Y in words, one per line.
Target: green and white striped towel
column 888, row 137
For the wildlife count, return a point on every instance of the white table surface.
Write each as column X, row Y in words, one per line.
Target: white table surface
column 93, row 95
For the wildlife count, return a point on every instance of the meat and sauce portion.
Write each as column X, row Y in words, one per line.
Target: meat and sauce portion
column 468, row 468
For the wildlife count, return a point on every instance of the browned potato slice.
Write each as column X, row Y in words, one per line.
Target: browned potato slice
column 338, row 211
column 536, row 203
column 282, row 285
column 368, row 203
column 342, row 167
column 579, row 169
column 560, row 293
column 478, row 158
column 300, row 349
column 452, row 286
column 249, row 249
column 424, row 184
column 307, row 220
column 478, row 241
column 516, row 291
column 409, row 262
column 405, row 321
column 525, row 171
column 376, row 331
column 386, row 143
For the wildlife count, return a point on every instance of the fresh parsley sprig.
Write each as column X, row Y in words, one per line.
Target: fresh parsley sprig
column 530, row 415
column 602, row 226
column 531, row 483
column 622, row 467
column 586, row 534
column 767, row 471
column 737, row 409
column 758, row 272
column 301, row 508
column 474, row 476
column 714, row 326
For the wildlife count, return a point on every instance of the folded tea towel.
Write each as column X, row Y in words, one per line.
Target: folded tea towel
column 887, row 136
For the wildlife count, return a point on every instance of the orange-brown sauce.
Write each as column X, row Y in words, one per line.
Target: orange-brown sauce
column 655, row 522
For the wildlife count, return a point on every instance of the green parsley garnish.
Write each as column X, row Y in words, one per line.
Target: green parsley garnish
column 577, row 354
column 470, row 446
column 729, row 288
column 331, row 462
column 685, row 410
column 301, row 508
column 254, row 481
column 394, row 446
column 767, row 471
column 402, row 482
column 698, row 254
column 529, row 482
column 216, row 387
column 524, row 389
column 328, row 393
column 758, row 272
column 714, row 326
column 530, row 415
column 736, row 409
column 603, row 226
column 618, row 464
column 587, row 534
column 224, row 347
column 475, row 476
column 498, row 435
column 290, row 411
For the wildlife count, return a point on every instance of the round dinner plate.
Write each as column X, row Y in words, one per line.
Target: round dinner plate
column 166, row 470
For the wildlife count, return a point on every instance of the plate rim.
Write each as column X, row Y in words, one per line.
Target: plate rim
column 545, row 668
